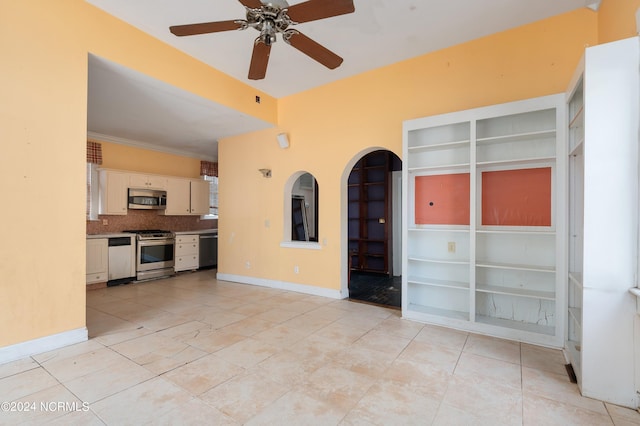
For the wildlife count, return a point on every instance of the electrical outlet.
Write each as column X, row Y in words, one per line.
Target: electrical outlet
column 451, row 247
column 105, row 222
column 247, row 265
column 296, row 270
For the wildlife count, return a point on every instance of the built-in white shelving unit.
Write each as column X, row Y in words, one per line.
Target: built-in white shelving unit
column 575, row 108
column 475, row 256
column 603, row 105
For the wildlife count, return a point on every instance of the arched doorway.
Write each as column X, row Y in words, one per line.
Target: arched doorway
column 374, row 229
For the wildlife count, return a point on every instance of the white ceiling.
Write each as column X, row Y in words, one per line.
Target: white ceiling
column 123, row 104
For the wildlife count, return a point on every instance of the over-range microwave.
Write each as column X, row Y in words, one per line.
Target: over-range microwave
column 147, row 199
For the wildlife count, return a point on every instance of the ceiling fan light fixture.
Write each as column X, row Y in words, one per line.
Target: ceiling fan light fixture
column 267, row 38
column 268, row 32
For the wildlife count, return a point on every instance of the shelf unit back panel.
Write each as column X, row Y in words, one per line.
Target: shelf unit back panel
column 435, row 136
column 520, row 197
column 442, row 199
column 535, row 147
column 443, row 246
column 457, row 156
column 531, row 249
column 437, row 274
column 517, row 310
column 509, row 126
column 521, row 283
column 576, row 207
column 440, row 298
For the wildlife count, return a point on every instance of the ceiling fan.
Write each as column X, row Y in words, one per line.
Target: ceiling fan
column 276, row 16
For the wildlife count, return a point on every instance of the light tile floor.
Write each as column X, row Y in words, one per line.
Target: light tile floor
column 194, row 350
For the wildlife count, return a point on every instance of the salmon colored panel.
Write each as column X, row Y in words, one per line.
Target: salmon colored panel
column 517, row 197
column 442, row 199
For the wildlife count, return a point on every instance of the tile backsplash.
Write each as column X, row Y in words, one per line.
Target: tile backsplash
column 147, row 219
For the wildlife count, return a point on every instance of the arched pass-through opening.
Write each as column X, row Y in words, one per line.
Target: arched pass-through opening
column 372, row 223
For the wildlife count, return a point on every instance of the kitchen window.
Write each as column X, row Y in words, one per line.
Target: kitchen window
column 213, row 197
column 94, row 159
column 92, row 191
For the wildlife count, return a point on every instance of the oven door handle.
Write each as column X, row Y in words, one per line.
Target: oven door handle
column 156, row 242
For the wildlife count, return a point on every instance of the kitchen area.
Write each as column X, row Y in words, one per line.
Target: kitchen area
column 148, row 227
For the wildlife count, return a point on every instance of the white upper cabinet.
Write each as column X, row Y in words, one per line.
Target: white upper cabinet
column 178, row 197
column 200, row 190
column 187, row 197
column 113, row 192
column 147, row 181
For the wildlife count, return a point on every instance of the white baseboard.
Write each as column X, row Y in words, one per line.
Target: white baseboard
column 43, row 344
column 283, row 285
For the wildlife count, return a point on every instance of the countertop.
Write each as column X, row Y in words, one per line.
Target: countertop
column 198, row 232
column 128, row 234
column 113, row 235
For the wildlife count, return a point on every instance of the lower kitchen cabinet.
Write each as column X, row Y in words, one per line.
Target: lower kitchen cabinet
column 97, row 260
column 187, row 252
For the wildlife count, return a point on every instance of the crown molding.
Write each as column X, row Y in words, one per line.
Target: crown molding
column 148, row 146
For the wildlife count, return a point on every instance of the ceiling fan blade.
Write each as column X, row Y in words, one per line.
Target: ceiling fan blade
column 251, row 4
column 259, row 60
column 205, row 28
column 313, row 10
column 312, row 49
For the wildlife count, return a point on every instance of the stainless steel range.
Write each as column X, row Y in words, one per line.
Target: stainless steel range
column 154, row 253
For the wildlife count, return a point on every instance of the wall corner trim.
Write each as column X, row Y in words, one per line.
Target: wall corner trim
column 282, row 285
column 43, row 344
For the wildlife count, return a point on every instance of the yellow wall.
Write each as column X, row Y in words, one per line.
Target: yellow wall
column 44, row 47
column 124, row 157
column 41, row 167
column 331, row 126
column 617, row 20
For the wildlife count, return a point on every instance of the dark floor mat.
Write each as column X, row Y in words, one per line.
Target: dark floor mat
column 376, row 288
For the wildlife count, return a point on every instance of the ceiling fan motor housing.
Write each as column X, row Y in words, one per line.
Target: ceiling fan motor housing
column 269, row 20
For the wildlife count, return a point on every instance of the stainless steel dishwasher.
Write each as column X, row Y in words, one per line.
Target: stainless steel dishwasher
column 122, row 267
column 208, row 250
